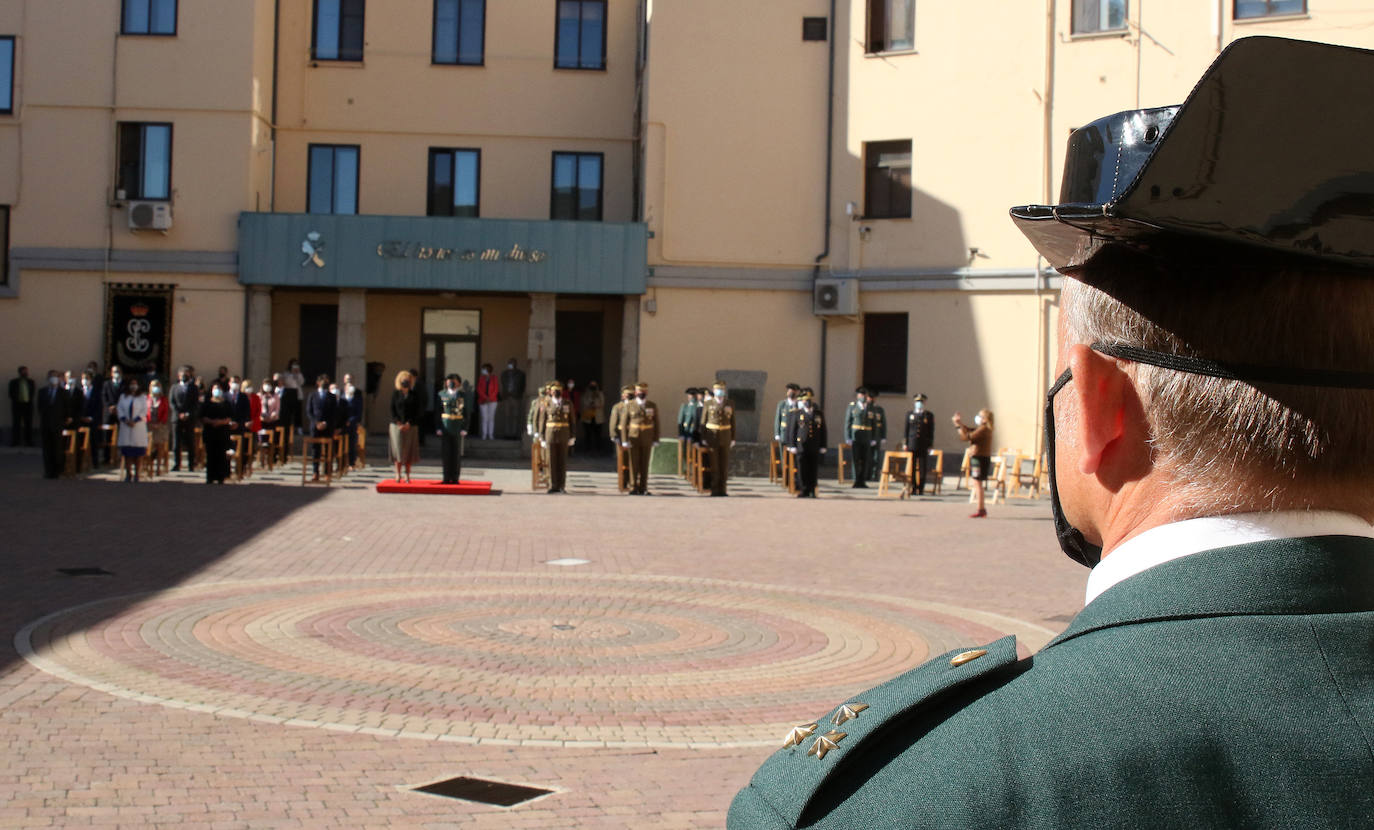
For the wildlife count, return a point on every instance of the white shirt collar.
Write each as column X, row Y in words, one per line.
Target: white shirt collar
column 1178, row 539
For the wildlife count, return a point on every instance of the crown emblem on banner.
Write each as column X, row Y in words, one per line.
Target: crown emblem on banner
column 139, row 309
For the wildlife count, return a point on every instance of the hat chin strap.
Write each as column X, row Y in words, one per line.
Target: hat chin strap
column 1247, row 372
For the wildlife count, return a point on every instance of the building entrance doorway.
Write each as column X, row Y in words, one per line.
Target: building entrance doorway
column 319, row 342
column 577, row 347
column 449, row 344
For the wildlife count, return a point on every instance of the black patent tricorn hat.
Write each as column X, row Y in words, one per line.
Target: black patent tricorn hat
column 1272, row 151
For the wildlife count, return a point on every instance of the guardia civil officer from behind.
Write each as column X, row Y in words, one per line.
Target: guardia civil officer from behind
column 1209, row 438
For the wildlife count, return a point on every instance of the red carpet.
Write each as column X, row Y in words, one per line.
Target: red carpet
column 464, row 488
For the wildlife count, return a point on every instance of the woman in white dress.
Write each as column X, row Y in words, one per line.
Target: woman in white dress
column 132, row 411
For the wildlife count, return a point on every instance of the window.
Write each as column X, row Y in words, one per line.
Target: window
column 1246, row 9
column 581, row 36
column 338, row 30
column 149, row 17
column 7, row 74
column 1098, row 16
column 455, row 182
column 576, row 186
column 813, row 28
column 887, row 179
column 459, row 31
column 145, row 160
column 891, row 25
column 333, row 178
column 4, row 244
column 885, row 346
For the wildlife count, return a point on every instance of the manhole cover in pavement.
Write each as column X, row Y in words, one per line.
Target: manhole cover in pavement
column 490, row 657
column 498, row 793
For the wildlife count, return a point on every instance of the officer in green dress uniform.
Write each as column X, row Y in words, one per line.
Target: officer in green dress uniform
column 535, row 403
column 718, row 435
column 453, row 421
column 553, row 427
column 859, row 423
column 780, row 413
column 805, row 437
column 1209, row 441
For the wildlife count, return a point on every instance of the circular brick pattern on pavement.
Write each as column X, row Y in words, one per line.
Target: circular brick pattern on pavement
column 574, row 659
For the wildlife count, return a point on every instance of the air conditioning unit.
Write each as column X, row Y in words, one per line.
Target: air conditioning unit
column 150, row 216
column 838, row 297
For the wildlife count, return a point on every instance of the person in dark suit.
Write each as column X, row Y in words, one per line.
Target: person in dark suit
column 240, row 408
column 185, row 403
column 805, row 436
column 1214, row 477
column 22, row 394
column 918, row 438
column 321, row 412
column 110, row 390
column 351, row 418
column 54, row 414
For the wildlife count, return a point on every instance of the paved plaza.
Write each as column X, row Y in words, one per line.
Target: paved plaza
column 271, row 655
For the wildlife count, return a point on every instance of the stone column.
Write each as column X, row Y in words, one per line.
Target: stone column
column 629, row 348
column 543, row 327
column 257, row 347
column 351, row 353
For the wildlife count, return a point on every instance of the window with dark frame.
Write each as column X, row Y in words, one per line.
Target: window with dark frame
column 6, row 75
column 887, row 179
column 576, row 186
column 338, row 30
column 149, row 17
column 1090, row 16
column 4, row 244
column 460, row 32
column 580, row 35
column 145, row 160
column 1249, row 9
column 885, row 353
column 455, row 182
column 333, row 179
column 891, row 26
column 814, row 28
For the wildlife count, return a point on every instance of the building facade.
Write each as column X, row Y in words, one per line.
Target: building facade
column 809, row 190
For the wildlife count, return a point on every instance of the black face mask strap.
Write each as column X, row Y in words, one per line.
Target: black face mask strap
column 1248, row 373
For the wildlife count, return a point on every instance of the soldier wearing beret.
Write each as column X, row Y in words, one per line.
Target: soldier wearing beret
column 805, row 437
column 1209, row 441
column 638, row 429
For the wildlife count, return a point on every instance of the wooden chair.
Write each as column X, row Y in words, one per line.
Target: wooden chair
column 899, row 467
column 964, row 469
column 109, row 440
column 789, row 472
column 200, row 447
column 362, row 446
column 935, row 473
column 777, row 463
column 995, row 488
column 340, row 454
column 840, row 463
column 539, row 467
column 267, row 448
column 288, row 443
column 326, row 458
column 622, row 467
column 71, row 464
column 241, row 445
column 158, row 460
column 81, row 456
column 1024, row 474
column 705, row 466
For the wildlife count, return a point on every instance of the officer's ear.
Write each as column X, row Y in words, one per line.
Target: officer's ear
column 1106, row 410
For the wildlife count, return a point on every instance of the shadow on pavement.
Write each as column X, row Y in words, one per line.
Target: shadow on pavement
column 149, row 537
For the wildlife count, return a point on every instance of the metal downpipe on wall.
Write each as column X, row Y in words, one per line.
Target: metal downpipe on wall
column 829, row 166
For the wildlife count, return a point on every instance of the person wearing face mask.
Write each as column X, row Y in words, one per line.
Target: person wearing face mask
column 536, row 402
column 638, row 435
column 240, row 408
column 271, row 405
column 109, row 392
column 405, row 424
column 184, row 401
column 54, row 415
column 291, row 387
column 805, row 436
column 979, row 436
column 718, row 436
column 488, row 396
column 453, row 421
column 859, row 423
column 88, row 396
column 1209, row 438
column 878, row 439
column 919, row 437
column 215, row 421
column 131, row 410
column 553, row 427
column 622, row 453
column 321, row 412
column 159, row 426
column 351, row 404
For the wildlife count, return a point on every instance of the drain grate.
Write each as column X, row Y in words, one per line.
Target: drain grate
column 84, row 572
column 498, row 793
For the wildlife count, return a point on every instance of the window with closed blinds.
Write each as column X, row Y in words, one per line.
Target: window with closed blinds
column 887, row 179
column 885, row 351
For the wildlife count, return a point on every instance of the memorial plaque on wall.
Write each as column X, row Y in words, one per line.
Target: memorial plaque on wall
column 138, row 328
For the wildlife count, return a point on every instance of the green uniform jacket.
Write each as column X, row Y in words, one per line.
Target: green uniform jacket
column 1232, row 688
column 879, row 423
column 785, row 407
column 452, row 412
column 854, row 417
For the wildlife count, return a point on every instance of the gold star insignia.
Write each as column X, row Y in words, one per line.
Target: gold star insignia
column 799, row 734
column 849, row 711
column 825, row 743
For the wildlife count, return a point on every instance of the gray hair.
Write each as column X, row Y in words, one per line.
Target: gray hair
column 1230, row 444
